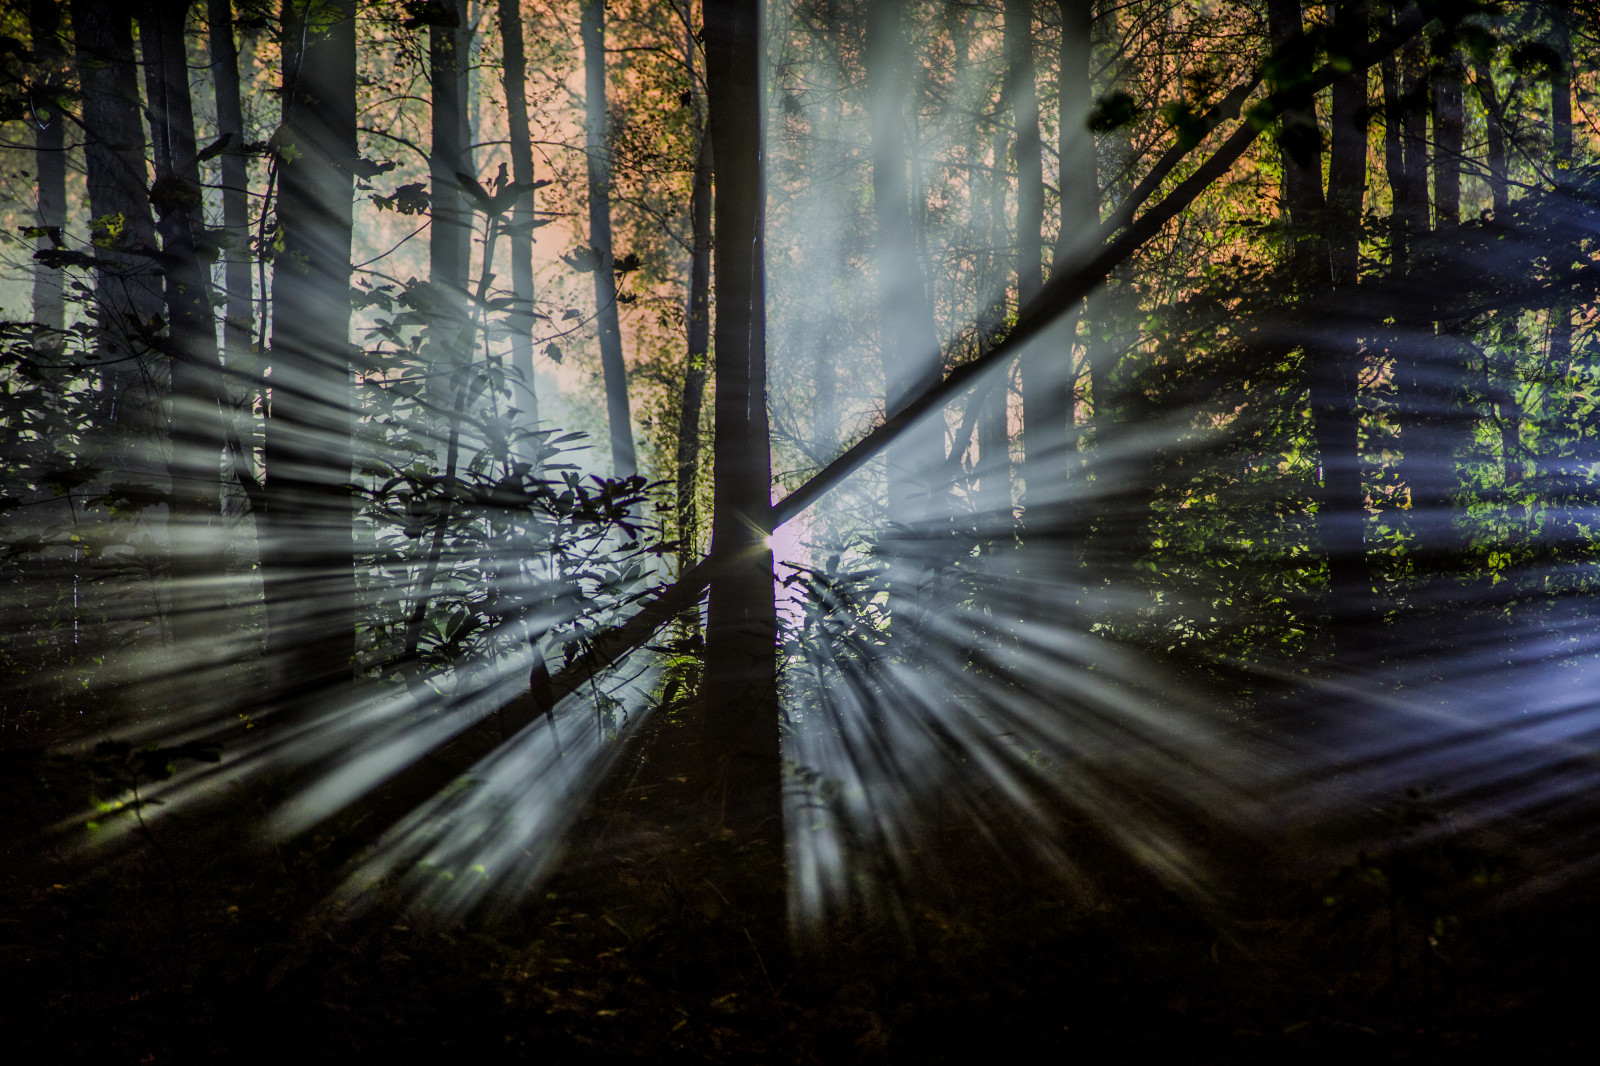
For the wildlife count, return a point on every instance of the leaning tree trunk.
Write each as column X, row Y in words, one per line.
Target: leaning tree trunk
column 624, row 462
column 198, row 437
column 49, row 164
column 740, row 745
column 307, row 559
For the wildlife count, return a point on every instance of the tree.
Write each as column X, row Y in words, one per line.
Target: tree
column 597, row 147
column 740, row 741
column 307, row 558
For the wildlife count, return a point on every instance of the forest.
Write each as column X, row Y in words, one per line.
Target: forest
column 799, row 530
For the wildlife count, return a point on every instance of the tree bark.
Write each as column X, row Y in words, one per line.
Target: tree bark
column 1336, row 366
column 696, row 355
column 307, row 558
column 514, row 82
column 1044, row 415
column 450, row 241
column 741, row 727
column 624, row 460
column 197, row 428
column 127, row 288
column 907, row 339
column 1495, row 135
column 45, row 114
column 238, row 324
column 1449, row 137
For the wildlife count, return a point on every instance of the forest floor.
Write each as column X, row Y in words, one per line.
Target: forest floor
column 204, row 941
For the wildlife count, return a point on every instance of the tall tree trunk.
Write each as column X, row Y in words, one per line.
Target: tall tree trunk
column 1078, row 180
column 907, row 339
column 307, row 559
column 238, row 312
column 515, row 85
column 1335, row 370
column 1044, row 415
column 198, row 437
column 624, row 461
column 1300, row 144
column 1347, row 154
column 127, row 288
column 1411, row 188
column 990, row 479
column 995, row 505
column 1449, row 138
column 49, row 164
column 1495, row 135
column 450, row 241
column 695, row 358
column 741, row 738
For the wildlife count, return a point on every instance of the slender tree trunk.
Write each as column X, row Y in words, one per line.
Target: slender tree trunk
column 907, row 339
column 696, row 356
column 514, row 83
column 238, row 324
column 1570, row 496
column 1300, row 145
column 995, row 506
column 624, row 461
column 1347, row 155
column 741, row 739
column 307, row 559
column 1449, row 136
column 1044, row 415
column 1495, row 135
column 198, row 436
column 989, row 482
column 49, row 163
column 127, row 288
column 1411, row 190
column 1335, row 371
column 450, row 241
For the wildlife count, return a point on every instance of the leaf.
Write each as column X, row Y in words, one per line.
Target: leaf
column 553, row 350
column 215, row 148
column 1113, row 111
column 480, row 196
column 411, row 199
column 371, row 168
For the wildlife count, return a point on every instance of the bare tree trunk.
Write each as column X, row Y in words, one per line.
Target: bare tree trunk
column 238, row 312
column 1044, row 415
column 695, row 358
column 741, row 738
column 1495, row 134
column 624, row 460
column 198, row 437
column 907, row 339
column 1411, row 189
column 1335, row 371
column 450, row 241
column 515, row 82
column 50, row 165
column 1300, row 144
column 1448, row 138
column 127, row 288
column 307, row 558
